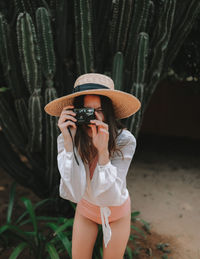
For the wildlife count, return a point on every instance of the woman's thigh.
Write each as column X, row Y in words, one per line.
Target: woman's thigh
column 120, row 236
column 83, row 237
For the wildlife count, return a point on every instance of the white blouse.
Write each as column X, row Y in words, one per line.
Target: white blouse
column 108, row 184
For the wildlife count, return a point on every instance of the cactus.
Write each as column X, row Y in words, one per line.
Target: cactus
column 150, row 19
column 100, row 31
column 117, row 71
column 84, row 41
column 48, row 68
column 124, row 25
column 8, row 60
column 139, row 79
column 4, row 55
column 28, row 51
column 114, row 23
column 26, row 176
column 25, row 6
column 163, row 31
column 180, row 32
column 140, row 15
column 10, row 125
column 30, row 58
column 45, row 45
column 22, row 111
column 51, row 143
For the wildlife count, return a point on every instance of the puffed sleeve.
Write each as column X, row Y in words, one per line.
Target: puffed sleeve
column 108, row 183
column 73, row 176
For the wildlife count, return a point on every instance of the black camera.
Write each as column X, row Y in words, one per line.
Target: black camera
column 84, row 115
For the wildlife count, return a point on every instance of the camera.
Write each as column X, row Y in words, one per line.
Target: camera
column 84, row 115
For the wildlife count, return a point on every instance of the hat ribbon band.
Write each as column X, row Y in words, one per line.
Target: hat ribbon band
column 89, row 86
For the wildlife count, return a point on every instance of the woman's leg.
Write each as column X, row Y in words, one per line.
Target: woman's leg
column 83, row 237
column 120, row 236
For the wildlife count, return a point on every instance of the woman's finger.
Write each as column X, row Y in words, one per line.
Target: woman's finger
column 67, row 108
column 100, row 123
column 67, row 124
column 103, row 130
column 68, row 112
column 64, row 117
column 94, row 130
column 64, row 112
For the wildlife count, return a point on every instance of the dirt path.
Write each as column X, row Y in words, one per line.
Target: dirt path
column 165, row 187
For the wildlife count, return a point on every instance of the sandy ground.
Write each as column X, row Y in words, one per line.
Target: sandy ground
column 164, row 184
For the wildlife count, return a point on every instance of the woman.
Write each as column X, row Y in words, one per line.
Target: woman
column 93, row 160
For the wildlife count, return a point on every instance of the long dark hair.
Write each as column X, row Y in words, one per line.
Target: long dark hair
column 83, row 141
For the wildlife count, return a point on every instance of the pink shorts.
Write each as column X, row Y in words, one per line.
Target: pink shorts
column 92, row 211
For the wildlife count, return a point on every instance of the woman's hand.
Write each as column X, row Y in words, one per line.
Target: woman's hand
column 66, row 121
column 100, row 137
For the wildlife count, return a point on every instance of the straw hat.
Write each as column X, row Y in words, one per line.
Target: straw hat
column 124, row 104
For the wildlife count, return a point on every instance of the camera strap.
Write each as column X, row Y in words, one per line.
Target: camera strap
column 73, row 146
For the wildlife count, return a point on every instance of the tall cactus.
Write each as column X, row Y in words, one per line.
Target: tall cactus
column 138, row 86
column 48, row 68
column 124, row 23
column 163, row 34
column 45, row 45
column 10, row 74
column 28, row 50
column 84, row 41
column 117, row 70
column 138, row 24
column 29, row 56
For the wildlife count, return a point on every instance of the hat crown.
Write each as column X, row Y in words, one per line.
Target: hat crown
column 94, row 78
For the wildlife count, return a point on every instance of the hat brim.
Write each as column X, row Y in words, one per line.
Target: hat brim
column 124, row 104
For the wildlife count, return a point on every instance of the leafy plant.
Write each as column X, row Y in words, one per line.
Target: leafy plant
column 162, row 247
column 98, row 249
column 40, row 236
column 3, row 89
column 51, row 237
column 133, row 237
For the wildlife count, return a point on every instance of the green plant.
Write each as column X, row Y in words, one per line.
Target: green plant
column 3, row 89
column 98, row 249
column 133, row 237
column 40, row 236
column 162, row 246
